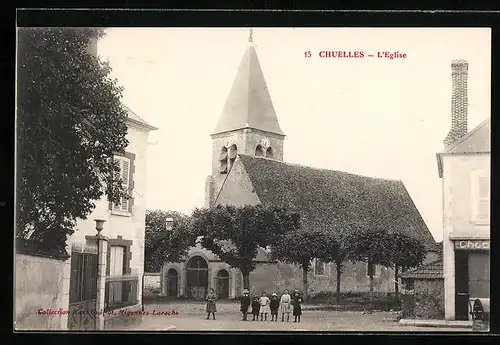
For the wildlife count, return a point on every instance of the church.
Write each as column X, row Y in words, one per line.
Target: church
column 248, row 169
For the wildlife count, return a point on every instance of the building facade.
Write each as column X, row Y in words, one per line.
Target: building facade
column 248, row 169
column 105, row 269
column 464, row 168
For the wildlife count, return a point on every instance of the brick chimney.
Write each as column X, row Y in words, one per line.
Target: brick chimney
column 459, row 103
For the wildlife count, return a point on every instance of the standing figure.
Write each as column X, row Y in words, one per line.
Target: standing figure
column 296, row 302
column 285, row 306
column 264, row 306
column 275, row 303
column 255, row 308
column 211, row 307
column 245, row 303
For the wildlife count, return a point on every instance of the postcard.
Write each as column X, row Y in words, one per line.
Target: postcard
column 253, row 179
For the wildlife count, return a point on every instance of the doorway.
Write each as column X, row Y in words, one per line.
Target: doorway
column 223, row 284
column 197, row 277
column 172, row 282
column 461, row 285
column 83, row 291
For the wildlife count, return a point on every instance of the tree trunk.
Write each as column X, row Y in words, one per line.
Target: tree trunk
column 246, row 280
column 339, row 273
column 371, row 291
column 396, row 284
column 305, row 284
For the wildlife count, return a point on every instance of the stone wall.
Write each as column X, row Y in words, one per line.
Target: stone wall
column 427, row 302
column 39, row 285
column 127, row 318
column 152, row 281
column 280, row 276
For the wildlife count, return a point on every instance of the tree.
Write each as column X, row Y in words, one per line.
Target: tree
column 301, row 247
column 70, row 122
column 166, row 246
column 379, row 246
column 336, row 252
column 235, row 233
column 406, row 251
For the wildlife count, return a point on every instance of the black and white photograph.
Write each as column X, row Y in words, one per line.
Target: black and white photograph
column 252, row 179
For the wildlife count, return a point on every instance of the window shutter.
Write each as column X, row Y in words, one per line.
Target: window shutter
column 124, row 174
column 125, row 182
column 480, row 197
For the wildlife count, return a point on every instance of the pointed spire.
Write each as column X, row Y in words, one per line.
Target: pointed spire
column 249, row 104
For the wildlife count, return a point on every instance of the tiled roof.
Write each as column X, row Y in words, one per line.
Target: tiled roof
column 477, row 140
column 432, row 270
column 135, row 118
column 333, row 200
column 249, row 104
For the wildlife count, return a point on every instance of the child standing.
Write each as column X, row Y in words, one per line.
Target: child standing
column 285, row 306
column 275, row 303
column 296, row 302
column 211, row 307
column 264, row 306
column 255, row 308
column 245, row 303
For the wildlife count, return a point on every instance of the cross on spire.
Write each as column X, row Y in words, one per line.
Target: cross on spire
column 250, row 37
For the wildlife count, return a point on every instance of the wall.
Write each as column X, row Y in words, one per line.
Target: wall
column 130, row 227
column 238, row 190
column 457, row 195
column 428, row 300
column 40, row 284
column 353, row 279
column 152, row 281
column 457, row 215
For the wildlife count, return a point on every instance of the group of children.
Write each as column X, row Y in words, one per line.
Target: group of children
column 264, row 305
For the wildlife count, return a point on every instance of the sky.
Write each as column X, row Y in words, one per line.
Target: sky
column 374, row 117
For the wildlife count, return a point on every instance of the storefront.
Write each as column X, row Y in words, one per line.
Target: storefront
column 472, row 274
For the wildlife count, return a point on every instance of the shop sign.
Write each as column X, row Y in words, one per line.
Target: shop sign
column 472, row 245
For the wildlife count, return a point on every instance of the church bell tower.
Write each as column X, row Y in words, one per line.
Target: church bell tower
column 247, row 125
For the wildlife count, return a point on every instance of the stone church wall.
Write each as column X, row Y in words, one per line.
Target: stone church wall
column 277, row 277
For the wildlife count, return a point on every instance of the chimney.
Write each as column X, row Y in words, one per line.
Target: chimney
column 459, row 103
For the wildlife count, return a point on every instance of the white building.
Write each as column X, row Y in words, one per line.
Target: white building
column 464, row 167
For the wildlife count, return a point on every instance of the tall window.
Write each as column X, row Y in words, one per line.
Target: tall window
column 259, row 152
column 124, row 174
column 269, row 153
column 233, row 151
column 227, row 158
column 480, row 197
column 116, row 260
column 319, row 267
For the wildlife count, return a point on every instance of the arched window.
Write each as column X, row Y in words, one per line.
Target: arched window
column 223, row 161
column 197, row 262
column 233, row 151
column 269, row 153
column 259, row 152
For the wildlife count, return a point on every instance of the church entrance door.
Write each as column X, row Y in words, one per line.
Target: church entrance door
column 197, row 277
column 172, row 283
column 223, row 284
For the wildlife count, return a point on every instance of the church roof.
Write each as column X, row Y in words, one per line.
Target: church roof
column 249, row 104
column 333, row 200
